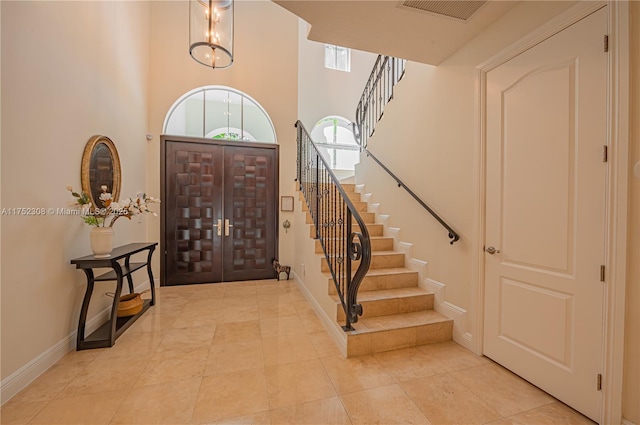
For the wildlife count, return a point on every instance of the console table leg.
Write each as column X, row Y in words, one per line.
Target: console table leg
column 85, row 307
column 116, row 301
column 151, row 282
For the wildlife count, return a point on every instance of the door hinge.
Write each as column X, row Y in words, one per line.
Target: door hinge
column 605, row 153
column 601, row 273
column 599, row 382
column 606, row 43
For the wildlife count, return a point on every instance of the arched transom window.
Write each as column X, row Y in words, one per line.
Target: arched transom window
column 219, row 112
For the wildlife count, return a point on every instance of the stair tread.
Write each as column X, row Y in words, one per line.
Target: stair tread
column 398, row 321
column 385, row 294
column 388, row 271
column 383, row 253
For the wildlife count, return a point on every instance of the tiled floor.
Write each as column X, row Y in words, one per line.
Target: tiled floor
column 255, row 353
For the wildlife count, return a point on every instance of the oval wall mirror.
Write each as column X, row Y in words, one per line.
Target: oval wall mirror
column 100, row 167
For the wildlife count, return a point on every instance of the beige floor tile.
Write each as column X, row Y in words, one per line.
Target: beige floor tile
column 153, row 323
column 167, row 403
column 240, row 292
column 114, row 374
column 188, row 365
column 189, row 319
column 84, row 409
column 407, row 364
column 327, row 412
column 451, row 356
column 177, row 342
column 324, row 345
column 227, row 333
column 242, row 313
column 261, row 418
column 203, row 305
column 225, row 358
column 282, row 325
column 297, row 383
column 17, row 413
column 133, row 345
column 51, row 383
column 288, row 349
column 231, row 395
column 551, row 414
column 356, row 374
column 385, row 405
column 444, row 400
column 311, row 323
column 271, row 307
column 505, row 392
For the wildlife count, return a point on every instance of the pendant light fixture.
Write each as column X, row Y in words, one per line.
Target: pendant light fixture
column 211, row 32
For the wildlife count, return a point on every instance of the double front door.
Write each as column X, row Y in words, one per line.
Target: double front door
column 219, row 218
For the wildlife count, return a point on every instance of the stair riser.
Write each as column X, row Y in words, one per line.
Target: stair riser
column 391, row 306
column 395, row 339
column 385, row 261
column 373, row 283
column 376, row 245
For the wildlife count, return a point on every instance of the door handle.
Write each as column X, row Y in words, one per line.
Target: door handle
column 219, row 227
column 226, row 226
column 491, row 250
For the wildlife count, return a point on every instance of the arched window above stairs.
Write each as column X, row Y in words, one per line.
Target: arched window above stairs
column 334, row 137
column 219, row 112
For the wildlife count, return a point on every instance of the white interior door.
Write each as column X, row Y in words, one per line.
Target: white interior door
column 545, row 209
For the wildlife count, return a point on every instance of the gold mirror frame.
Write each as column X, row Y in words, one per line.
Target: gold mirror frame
column 97, row 146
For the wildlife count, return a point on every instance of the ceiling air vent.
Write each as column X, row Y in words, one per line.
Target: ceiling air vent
column 458, row 9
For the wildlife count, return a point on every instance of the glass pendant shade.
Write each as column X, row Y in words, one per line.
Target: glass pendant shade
column 211, row 32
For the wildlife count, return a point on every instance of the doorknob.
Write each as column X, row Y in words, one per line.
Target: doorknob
column 491, row 250
column 226, row 226
column 219, row 226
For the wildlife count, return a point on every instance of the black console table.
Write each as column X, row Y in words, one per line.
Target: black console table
column 106, row 335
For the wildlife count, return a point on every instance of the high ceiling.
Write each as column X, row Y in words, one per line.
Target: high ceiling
column 397, row 28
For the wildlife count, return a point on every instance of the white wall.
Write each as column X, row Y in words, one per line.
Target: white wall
column 69, row 71
column 322, row 91
column 265, row 67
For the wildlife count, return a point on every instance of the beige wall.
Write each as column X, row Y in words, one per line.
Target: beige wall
column 265, row 67
column 631, row 388
column 69, row 71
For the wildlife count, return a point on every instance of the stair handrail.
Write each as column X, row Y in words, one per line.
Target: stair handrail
column 378, row 91
column 333, row 213
column 453, row 235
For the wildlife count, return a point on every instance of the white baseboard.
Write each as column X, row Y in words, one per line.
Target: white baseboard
column 338, row 336
column 21, row 378
column 452, row 311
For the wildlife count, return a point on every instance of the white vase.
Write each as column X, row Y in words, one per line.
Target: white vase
column 101, row 241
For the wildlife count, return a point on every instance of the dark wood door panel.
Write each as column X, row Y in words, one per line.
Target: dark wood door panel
column 251, row 208
column 204, row 181
column 193, row 204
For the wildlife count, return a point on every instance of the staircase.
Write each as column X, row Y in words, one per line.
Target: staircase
column 396, row 312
